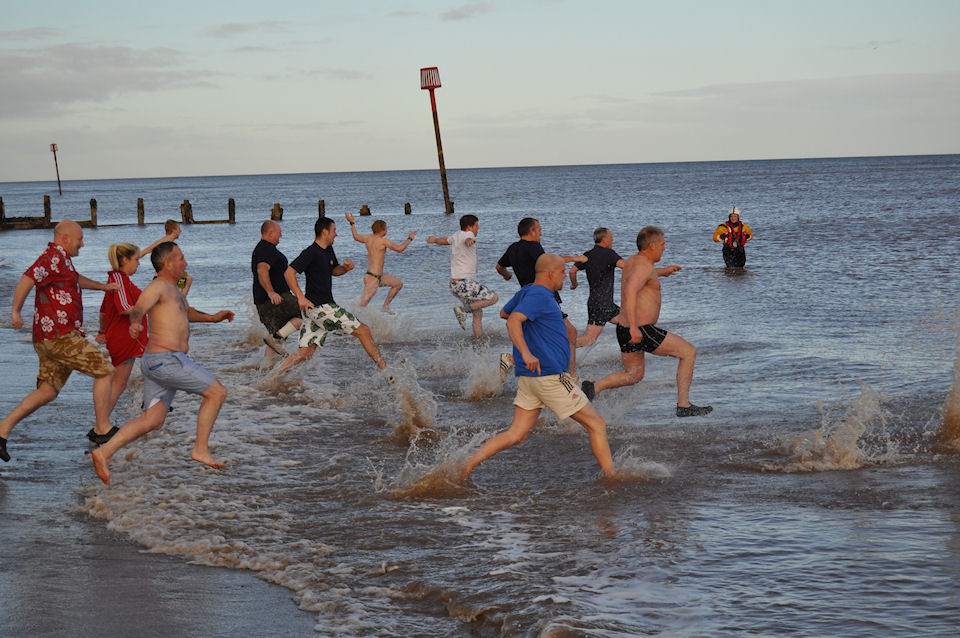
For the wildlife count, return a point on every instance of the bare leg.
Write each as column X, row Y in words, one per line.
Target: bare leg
column 675, row 346
column 44, row 394
column 121, row 375
column 133, row 429
column 632, row 372
column 395, row 286
column 589, row 335
column 370, row 285
column 477, row 309
column 596, row 428
column 102, row 405
column 213, row 398
column 366, row 340
column 523, row 421
column 302, row 354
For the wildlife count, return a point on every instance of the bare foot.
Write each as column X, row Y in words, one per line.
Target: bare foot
column 207, row 459
column 100, row 465
column 387, row 311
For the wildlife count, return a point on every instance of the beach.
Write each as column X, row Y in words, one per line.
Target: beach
column 812, row 500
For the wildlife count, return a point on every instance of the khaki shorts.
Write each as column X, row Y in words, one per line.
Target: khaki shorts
column 559, row 392
column 61, row 356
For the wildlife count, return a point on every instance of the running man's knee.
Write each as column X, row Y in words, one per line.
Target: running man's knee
column 362, row 332
column 216, row 392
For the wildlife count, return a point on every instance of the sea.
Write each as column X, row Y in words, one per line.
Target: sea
column 820, row 497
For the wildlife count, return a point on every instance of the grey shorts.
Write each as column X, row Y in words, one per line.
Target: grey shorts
column 166, row 372
column 274, row 317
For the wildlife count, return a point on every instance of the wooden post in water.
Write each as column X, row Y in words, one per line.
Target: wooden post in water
column 93, row 212
column 140, row 211
column 277, row 213
column 321, row 208
column 231, row 211
column 46, row 211
column 406, row 209
column 186, row 212
column 3, row 212
column 364, row 210
column 53, row 147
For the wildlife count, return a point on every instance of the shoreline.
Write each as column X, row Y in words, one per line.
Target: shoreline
column 64, row 574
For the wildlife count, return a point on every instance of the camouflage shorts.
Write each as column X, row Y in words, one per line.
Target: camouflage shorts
column 61, row 356
column 322, row 320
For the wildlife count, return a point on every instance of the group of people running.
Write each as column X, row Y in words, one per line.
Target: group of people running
column 153, row 324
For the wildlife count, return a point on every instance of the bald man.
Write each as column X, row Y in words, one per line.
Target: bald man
column 541, row 350
column 276, row 305
column 58, row 336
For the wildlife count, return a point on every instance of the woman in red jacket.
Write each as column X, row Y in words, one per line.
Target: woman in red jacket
column 114, row 321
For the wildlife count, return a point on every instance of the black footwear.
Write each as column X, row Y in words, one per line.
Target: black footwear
column 4, row 455
column 694, row 410
column 100, row 439
column 587, row 387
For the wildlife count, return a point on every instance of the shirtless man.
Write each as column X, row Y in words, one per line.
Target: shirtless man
column 165, row 364
column 637, row 332
column 377, row 244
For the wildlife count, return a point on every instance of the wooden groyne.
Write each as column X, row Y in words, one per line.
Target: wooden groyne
column 186, row 215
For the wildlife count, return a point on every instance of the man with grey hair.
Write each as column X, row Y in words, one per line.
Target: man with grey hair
column 637, row 331
column 601, row 265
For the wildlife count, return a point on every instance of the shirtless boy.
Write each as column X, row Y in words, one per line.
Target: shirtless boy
column 637, row 332
column 165, row 365
column 375, row 277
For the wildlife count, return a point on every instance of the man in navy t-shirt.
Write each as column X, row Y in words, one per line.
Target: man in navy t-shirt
column 321, row 314
column 275, row 304
column 601, row 265
column 542, row 353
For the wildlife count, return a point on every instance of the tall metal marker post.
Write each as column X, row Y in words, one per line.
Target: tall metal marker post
column 53, row 147
column 430, row 80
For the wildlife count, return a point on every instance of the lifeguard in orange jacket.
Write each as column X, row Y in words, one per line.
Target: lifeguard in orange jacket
column 734, row 234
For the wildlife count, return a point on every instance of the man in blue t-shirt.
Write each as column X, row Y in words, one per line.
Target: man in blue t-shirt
column 601, row 265
column 276, row 305
column 542, row 352
column 321, row 314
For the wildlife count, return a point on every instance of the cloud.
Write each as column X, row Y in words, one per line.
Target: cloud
column 232, row 29
column 468, row 11
column 404, row 14
column 35, row 33
column 337, row 74
column 52, row 80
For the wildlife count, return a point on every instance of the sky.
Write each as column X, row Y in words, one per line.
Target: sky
column 172, row 88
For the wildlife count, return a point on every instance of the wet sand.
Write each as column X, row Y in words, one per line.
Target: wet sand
column 62, row 574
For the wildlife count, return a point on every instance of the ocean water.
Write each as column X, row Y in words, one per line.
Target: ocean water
column 814, row 500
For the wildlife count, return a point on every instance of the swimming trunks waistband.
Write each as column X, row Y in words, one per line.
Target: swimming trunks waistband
column 377, row 277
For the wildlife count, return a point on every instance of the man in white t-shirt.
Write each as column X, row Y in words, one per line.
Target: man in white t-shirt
column 473, row 295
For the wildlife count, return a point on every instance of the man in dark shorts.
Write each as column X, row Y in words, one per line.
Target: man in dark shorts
column 637, row 332
column 601, row 265
column 522, row 257
column 276, row 305
column 57, row 335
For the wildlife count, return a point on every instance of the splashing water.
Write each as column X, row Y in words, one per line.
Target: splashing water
column 839, row 442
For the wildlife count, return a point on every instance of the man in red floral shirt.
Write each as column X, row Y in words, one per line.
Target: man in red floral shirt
column 57, row 333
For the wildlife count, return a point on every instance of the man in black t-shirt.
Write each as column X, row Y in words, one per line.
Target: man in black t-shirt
column 322, row 315
column 601, row 265
column 276, row 305
column 522, row 257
